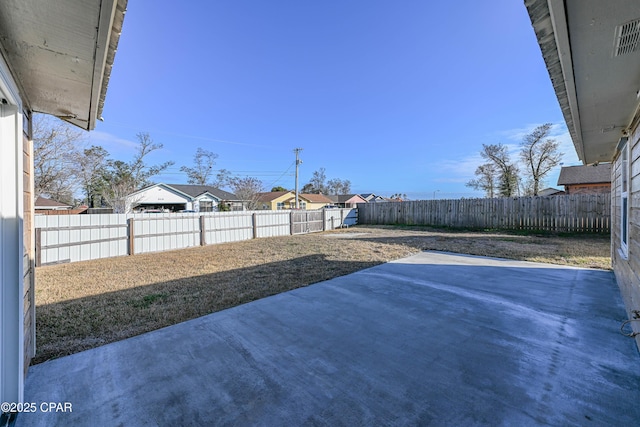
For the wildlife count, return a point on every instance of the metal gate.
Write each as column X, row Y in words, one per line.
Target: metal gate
column 306, row 222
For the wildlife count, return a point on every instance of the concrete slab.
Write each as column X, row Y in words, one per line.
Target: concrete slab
column 432, row 339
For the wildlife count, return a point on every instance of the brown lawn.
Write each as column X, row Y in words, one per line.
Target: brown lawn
column 87, row 304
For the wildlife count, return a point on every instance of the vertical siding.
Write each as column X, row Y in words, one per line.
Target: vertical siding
column 627, row 269
column 29, row 248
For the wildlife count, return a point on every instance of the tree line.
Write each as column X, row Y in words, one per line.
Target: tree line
column 501, row 176
column 64, row 168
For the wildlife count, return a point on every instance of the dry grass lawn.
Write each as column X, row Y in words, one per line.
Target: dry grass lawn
column 87, row 304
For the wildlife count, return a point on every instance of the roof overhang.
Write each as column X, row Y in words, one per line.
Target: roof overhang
column 61, row 53
column 596, row 85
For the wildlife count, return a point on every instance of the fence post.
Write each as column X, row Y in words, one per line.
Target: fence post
column 324, row 220
column 130, row 236
column 38, row 247
column 254, row 223
column 203, row 231
column 291, row 222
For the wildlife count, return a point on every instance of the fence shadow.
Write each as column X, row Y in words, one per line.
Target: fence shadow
column 75, row 325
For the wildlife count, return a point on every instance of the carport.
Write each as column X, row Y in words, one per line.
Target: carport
column 432, row 339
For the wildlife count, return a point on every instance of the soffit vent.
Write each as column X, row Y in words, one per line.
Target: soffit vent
column 627, row 38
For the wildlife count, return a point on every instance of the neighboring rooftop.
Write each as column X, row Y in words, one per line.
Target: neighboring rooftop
column 589, row 174
column 316, row 198
column 196, row 190
column 44, row 203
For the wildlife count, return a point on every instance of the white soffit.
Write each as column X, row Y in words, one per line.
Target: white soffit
column 61, row 53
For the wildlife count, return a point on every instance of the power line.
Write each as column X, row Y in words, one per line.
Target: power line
column 202, row 138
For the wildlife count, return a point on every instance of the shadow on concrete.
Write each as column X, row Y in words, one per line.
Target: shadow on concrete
column 432, row 339
column 79, row 324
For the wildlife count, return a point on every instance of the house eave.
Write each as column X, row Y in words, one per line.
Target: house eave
column 548, row 18
column 61, row 54
column 594, row 68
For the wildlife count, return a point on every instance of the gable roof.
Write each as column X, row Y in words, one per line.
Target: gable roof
column 316, row 198
column 61, row 54
column 197, row 190
column 344, row 198
column 589, row 174
column 549, row 192
column 272, row 195
column 43, row 202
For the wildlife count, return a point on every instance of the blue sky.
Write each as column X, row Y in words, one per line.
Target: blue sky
column 396, row 96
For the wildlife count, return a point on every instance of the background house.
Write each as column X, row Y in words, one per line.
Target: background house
column 586, row 179
column 550, row 192
column 44, row 204
column 346, row 200
column 56, row 61
column 592, row 52
column 372, row 198
column 180, row 197
column 278, row 200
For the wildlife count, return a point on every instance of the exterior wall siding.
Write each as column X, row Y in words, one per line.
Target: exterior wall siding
column 588, row 189
column 29, row 246
column 627, row 268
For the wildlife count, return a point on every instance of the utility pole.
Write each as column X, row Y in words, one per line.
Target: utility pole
column 298, row 162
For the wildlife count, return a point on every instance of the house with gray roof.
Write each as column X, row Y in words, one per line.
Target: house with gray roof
column 586, row 179
column 347, row 200
column 181, row 197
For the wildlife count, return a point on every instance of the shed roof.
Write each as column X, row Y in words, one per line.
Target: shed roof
column 61, row 54
column 590, row 174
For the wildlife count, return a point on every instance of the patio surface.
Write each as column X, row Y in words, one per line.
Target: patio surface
column 432, row 339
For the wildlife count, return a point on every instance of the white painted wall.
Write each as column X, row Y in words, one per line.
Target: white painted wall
column 11, row 241
column 158, row 194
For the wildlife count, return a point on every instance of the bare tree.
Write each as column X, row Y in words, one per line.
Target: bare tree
column 248, row 190
column 506, row 169
column 540, row 155
column 140, row 171
column 55, row 145
column 224, row 178
column 317, row 183
column 202, row 170
column 121, row 185
column 125, row 178
column 399, row 197
column 92, row 166
column 486, row 180
column 338, row 186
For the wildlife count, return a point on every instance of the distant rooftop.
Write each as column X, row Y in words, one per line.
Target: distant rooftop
column 589, row 174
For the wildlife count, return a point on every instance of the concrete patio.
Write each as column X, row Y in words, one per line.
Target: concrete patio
column 432, row 339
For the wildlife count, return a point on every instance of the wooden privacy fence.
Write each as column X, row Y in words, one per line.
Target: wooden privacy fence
column 570, row 213
column 70, row 238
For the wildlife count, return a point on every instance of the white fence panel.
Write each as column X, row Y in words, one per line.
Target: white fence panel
column 273, row 224
column 71, row 238
column 224, row 227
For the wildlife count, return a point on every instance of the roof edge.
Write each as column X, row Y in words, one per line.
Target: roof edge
column 549, row 21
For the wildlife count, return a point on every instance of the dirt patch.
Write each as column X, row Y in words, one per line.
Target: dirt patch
column 87, row 304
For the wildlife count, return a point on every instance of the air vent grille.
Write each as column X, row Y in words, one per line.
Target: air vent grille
column 627, row 38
